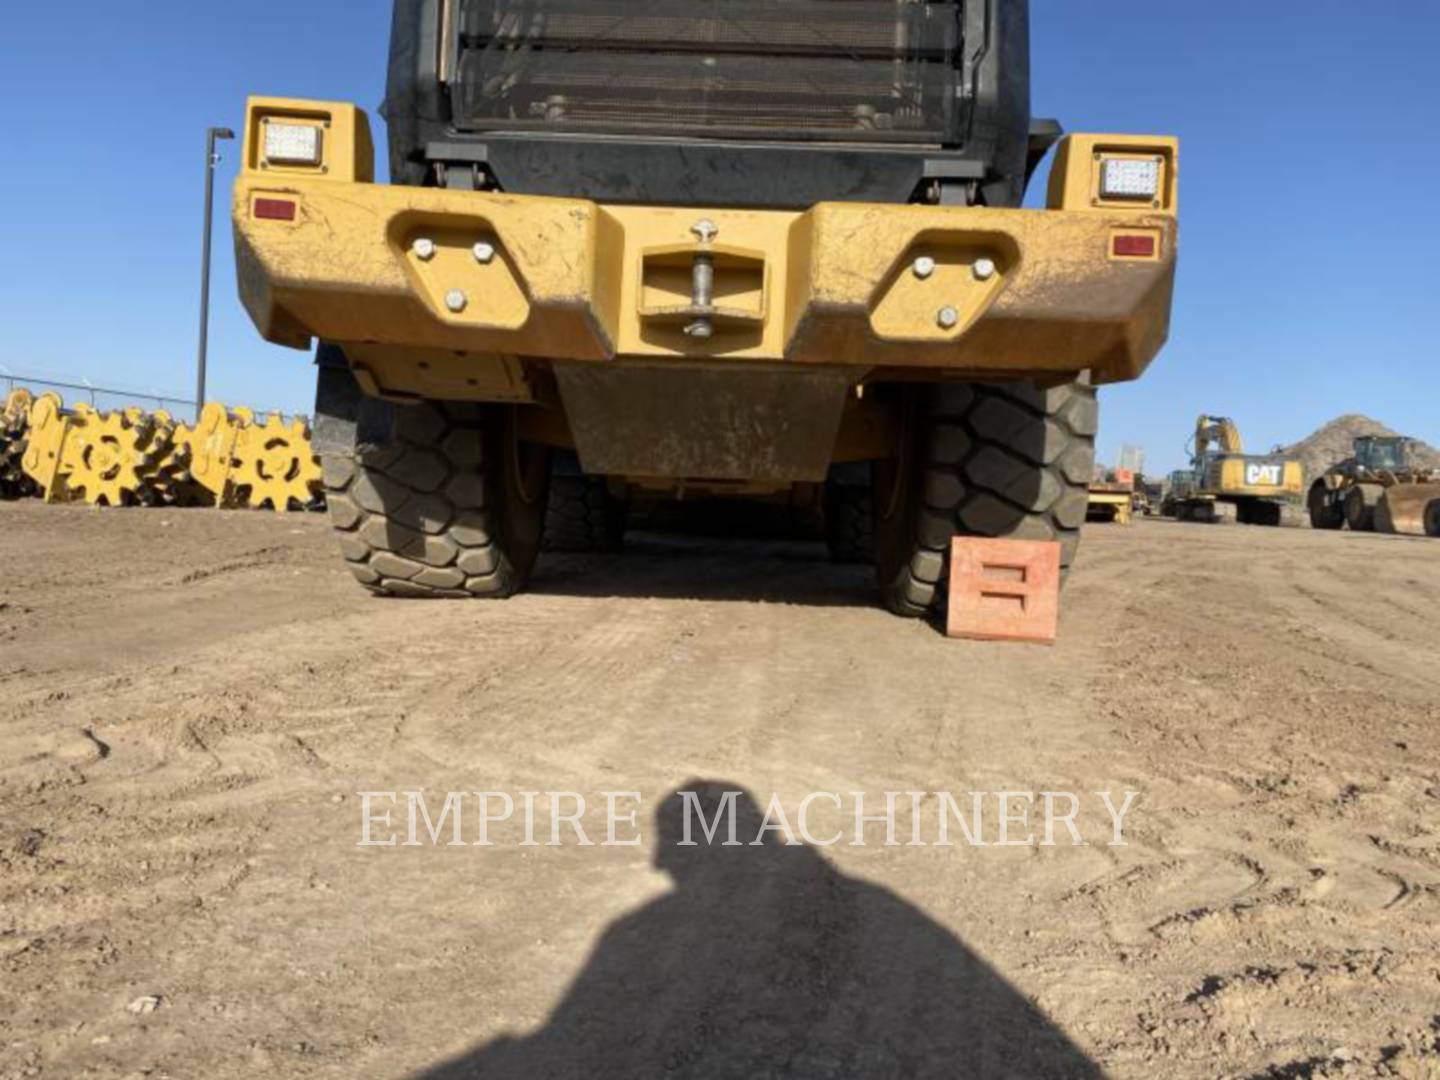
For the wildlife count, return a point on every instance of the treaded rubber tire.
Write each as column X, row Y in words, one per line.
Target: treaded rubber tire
column 452, row 509
column 582, row 515
column 1325, row 512
column 1360, row 503
column 850, row 523
column 1432, row 518
column 998, row 460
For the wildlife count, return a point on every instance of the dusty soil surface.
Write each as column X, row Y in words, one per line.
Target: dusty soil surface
column 190, row 703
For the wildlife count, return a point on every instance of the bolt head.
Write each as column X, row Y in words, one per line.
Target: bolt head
column 456, row 301
column 701, row 329
column 984, row 269
column 706, row 230
column 924, row 266
column 947, row 317
column 424, row 249
column 484, row 253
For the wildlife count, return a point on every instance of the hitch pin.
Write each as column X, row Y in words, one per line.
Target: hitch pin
column 702, row 280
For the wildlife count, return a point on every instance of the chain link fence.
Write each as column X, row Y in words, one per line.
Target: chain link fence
column 106, row 398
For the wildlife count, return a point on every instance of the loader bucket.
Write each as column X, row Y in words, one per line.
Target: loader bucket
column 1403, row 508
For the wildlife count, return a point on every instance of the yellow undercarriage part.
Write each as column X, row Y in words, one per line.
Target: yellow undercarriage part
column 441, row 293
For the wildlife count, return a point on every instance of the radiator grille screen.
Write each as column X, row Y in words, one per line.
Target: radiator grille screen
column 851, row 70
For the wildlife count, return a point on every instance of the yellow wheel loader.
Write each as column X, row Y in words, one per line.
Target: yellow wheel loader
column 1380, row 488
column 1226, row 484
column 748, row 245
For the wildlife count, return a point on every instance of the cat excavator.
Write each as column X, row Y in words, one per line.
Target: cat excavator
column 1229, row 484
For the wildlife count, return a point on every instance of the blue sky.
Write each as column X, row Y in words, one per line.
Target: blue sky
column 1309, row 220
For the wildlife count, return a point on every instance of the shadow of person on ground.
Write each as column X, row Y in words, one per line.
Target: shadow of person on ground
column 765, row 961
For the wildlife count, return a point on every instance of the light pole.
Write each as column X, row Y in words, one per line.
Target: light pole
column 211, row 159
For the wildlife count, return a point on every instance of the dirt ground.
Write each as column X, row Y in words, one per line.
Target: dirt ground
column 191, row 703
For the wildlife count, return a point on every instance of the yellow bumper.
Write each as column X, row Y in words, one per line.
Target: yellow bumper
column 401, row 273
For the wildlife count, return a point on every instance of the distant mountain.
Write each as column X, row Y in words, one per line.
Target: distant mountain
column 1334, row 442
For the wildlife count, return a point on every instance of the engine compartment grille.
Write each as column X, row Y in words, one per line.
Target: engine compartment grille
column 854, row 70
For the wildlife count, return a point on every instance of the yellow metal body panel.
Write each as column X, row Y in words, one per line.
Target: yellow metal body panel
column 1111, row 506
column 1075, row 177
column 1246, row 477
column 483, row 278
column 1406, row 508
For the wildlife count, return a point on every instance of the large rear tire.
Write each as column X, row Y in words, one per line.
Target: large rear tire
column 582, row 515
column 850, row 515
column 1360, row 503
column 454, row 507
column 1326, row 512
column 998, row 460
column 1432, row 518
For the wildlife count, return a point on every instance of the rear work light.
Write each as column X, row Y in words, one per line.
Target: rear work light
column 293, row 144
column 1130, row 178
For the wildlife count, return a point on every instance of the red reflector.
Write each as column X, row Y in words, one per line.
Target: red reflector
column 1135, row 247
column 275, row 210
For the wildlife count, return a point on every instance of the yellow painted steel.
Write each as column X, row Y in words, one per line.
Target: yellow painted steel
column 106, row 456
column 274, row 464
column 17, row 405
column 49, row 429
column 483, row 278
column 1410, row 509
column 1112, row 506
column 1236, row 477
column 1075, row 176
column 212, row 452
column 129, row 457
column 347, row 147
column 1220, row 430
column 1219, row 451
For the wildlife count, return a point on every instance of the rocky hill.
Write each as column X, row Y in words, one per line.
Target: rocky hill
column 1332, row 444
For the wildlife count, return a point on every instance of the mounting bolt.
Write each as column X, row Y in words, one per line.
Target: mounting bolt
column 424, row 249
column 924, row 266
column 701, row 329
column 706, row 230
column 947, row 317
column 456, row 301
column 984, row 269
column 484, row 253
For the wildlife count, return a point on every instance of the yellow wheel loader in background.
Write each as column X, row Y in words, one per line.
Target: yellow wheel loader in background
column 1381, row 488
column 1224, row 483
column 741, row 246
